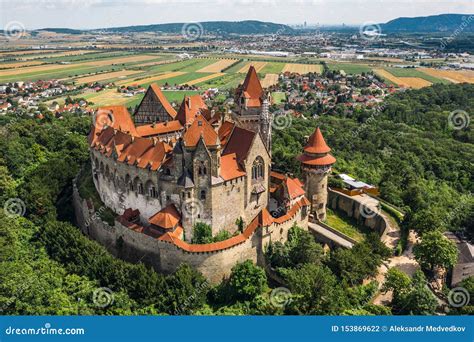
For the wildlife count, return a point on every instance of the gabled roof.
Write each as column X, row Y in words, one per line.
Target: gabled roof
column 239, row 143
column 316, row 143
column 200, row 127
column 163, row 100
column 166, row 218
column 159, row 128
column 190, row 108
column 230, row 168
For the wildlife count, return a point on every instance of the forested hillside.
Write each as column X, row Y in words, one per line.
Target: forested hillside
column 410, row 149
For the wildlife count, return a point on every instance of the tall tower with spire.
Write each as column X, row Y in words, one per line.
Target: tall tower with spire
column 252, row 107
column 316, row 163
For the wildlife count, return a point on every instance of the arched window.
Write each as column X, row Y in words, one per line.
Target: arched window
column 203, row 194
column 140, row 188
column 151, row 189
column 258, row 171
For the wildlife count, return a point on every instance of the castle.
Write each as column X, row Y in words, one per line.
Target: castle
column 163, row 171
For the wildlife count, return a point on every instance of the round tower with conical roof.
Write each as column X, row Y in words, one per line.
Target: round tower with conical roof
column 316, row 163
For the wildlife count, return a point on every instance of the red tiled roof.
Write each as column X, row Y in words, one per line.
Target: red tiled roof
column 230, row 168
column 277, row 175
column 200, row 127
column 316, row 143
column 159, row 128
column 166, row 218
column 190, row 108
column 294, row 189
column 153, row 157
column 116, row 116
column 265, row 219
column 225, row 131
column 164, row 101
column 252, row 89
column 317, row 161
column 135, row 150
column 239, row 143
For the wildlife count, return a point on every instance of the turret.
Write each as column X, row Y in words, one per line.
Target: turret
column 316, row 164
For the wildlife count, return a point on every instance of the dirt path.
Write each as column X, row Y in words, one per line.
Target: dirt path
column 405, row 262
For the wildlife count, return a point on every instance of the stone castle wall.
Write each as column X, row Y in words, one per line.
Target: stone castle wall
column 165, row 257
column 352, row 208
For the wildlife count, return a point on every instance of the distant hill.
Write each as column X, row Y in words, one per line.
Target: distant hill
column 61, row 30
column 223, row 27
column 433, row 23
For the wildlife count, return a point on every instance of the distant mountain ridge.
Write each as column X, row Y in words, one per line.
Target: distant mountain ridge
column 432, row 23
column 219, row 27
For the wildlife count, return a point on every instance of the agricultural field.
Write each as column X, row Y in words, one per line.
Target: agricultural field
column 269, row 80
column 205, row 78
column 273, row 68
column 412, row 72
column 302, row 68
column 149, row 80
column 257, row 65
column 218, row 66
column 106, row 76
column 349, row 68
column 407, row 82
column 462, row 76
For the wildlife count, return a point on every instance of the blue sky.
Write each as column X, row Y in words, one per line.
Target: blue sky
column 109, row 13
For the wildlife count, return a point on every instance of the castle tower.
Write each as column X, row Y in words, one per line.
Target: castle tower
column 252, row 107
column 316, row 164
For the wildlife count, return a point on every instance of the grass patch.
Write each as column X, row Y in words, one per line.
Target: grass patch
column 278, row 97
column 346, row 225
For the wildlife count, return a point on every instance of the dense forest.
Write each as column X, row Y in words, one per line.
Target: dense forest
column 48, row 267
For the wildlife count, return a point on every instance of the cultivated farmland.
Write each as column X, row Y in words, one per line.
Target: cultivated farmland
column 218, row 66
column 302, row 68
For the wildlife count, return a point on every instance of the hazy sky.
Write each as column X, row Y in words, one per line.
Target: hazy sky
column 108, row 13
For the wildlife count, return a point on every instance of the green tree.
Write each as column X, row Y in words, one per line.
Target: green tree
column 202, row 233
column 247, row 281
column 435, row 250
column 314, row 291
